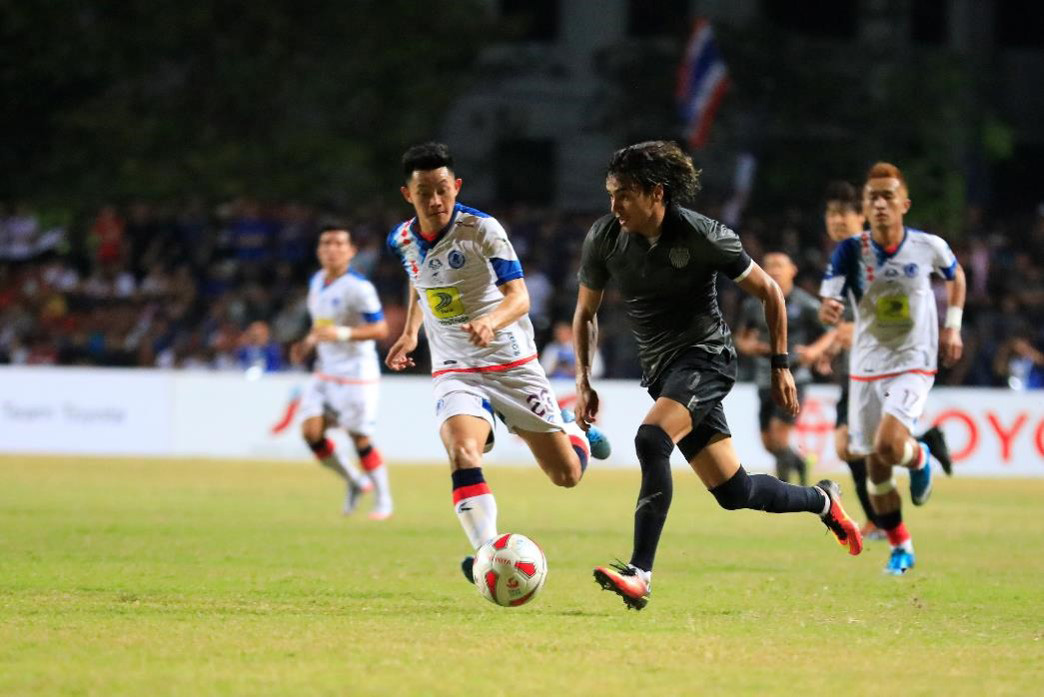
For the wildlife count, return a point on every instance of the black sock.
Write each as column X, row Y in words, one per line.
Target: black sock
column 782, row 465
column 654, row 448
column 764, row 492
column 858, row 468
column 799, row 465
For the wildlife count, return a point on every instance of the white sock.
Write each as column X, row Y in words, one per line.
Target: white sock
column 911, row 451
column 826, row 504
column 381, row 486
column 906, row 545
column 642, row 574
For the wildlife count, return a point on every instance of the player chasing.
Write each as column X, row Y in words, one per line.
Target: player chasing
column 466, row 287
column 885, row 273
column 343, row 389
column 665, row 260
column 805, row 339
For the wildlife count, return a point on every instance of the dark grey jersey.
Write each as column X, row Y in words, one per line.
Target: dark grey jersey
column 803, row 327
column 668, row 287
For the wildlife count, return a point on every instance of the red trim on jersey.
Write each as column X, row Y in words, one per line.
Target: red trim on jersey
column 486, row 368
column 466, row 492
column 872, row 378
column 345, row 381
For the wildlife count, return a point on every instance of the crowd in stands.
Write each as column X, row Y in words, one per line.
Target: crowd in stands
column 223, row 288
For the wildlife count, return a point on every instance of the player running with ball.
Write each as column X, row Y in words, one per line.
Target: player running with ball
column 665, row 260
column 467, row 289
column 886, row 273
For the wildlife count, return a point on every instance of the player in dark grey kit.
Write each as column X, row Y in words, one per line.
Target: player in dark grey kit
column 807, row 340
column 665, row 259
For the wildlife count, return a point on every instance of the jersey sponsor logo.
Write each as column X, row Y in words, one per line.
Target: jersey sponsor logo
column 910, row 270
column 435, row 264
column 891, row 272
column 456, row 259
column 679, row 257
column 893, row 310
column 446, row 305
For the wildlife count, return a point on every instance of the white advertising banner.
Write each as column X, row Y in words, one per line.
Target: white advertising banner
column 206, row 414
column 85, row 410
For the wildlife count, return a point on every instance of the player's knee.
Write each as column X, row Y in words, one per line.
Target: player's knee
column 566, row 478
column 890, row 450
column 312, row 432
column 465, row 454
column 653, row 445
column 735, row 493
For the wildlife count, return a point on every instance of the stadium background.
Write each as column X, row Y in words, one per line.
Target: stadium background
column 167, row 166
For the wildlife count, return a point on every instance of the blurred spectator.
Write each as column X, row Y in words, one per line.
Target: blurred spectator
column 558, row 358
column 258, row 351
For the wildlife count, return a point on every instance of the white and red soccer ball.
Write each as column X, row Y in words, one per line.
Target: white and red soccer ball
column 510, row 570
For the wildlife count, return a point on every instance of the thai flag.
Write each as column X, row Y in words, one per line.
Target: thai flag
column 702, row 82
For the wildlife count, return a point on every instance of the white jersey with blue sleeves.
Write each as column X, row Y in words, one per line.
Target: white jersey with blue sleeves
column 896, row 324
column 347, row 301
column 456, row 274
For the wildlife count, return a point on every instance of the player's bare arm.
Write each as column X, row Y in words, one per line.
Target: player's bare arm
column 950, row 345
column 761, row 286
column 818, row 349
column 363, row 332
column 398, row 357
column 514, row 305
column 585, row 342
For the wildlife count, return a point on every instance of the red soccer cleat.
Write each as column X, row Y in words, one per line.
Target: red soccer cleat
column 843, row 527
column 625, row 582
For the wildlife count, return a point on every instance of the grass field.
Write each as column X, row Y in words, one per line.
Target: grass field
column 195, row 578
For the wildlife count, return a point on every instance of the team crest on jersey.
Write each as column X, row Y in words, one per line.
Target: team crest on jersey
column 910, row 270
column 456, row 259
column 679, row 257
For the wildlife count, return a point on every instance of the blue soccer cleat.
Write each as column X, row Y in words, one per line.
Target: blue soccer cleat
column 900, row 562
column 921, row 479
column 596, row 438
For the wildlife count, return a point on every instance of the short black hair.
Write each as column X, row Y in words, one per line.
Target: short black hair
column 426, row 156
column 843, row 192
column 334, row 224
column 657, row 162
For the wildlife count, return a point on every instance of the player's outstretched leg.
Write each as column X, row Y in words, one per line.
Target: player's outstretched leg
column 763, row 492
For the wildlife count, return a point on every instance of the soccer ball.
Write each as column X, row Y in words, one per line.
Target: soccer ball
column 510, row 570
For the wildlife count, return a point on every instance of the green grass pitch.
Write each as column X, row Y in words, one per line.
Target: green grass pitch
column 120, row 576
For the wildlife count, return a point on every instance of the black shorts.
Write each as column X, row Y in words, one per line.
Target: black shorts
column 698, row 380
column 842, row 407
column 770, row 410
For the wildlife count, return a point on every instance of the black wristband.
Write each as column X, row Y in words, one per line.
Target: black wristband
column 780, row 360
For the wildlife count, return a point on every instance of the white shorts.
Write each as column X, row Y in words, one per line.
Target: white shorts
column 903, row 396
column 520, row 396
column 353, row 402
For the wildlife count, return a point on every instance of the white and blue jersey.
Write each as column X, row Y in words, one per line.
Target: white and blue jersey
column 456, row 274
column 896, row 324
column 346, row 301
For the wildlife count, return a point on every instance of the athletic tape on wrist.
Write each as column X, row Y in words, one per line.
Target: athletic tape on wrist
column 954, row 315
column 344, row 333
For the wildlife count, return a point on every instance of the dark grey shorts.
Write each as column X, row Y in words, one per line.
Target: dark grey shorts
column 698, row 380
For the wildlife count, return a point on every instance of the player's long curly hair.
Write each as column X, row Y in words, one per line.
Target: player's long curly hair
column 657, row 162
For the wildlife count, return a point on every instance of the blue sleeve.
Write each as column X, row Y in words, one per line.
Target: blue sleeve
column 949, row 272
column 841, row 271
column 391, row 240
column 506, row 269
column 372, row 317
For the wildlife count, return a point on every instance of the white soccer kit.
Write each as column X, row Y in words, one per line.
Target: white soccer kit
column 895, row 348
column 456, row 274
column 347, row 373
